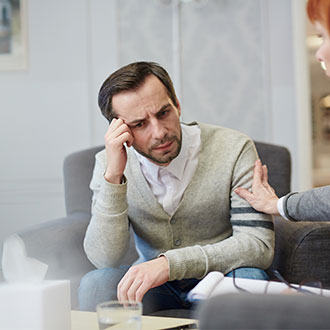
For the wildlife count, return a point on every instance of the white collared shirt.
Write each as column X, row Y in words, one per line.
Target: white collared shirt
column 168, row 183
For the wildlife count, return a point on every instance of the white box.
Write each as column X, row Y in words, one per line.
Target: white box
column 42, row 306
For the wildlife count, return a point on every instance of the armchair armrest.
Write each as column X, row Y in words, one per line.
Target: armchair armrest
column 58, row 243
column 302, row 251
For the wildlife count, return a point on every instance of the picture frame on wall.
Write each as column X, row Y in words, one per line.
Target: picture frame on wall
column 13, row 35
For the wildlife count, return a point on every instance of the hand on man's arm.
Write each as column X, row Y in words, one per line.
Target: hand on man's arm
column 141, row 278
column 263, row 197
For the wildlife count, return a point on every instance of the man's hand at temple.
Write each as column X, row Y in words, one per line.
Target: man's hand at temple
column 143, row 277
column 117, row 134
column 263, row 197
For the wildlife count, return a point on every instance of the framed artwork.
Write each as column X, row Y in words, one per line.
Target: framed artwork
column 13, row 35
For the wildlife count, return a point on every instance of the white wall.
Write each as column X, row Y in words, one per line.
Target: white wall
column 48, row 110
column 237, row 68
column 289, row 90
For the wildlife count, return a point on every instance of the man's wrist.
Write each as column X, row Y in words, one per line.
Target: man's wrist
column 165, row 263
column 113, row 179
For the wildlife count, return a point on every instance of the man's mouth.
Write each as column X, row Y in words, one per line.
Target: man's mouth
column 163, row 146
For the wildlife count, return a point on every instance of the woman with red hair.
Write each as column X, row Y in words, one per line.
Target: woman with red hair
column 313, row 204
column 319, row 14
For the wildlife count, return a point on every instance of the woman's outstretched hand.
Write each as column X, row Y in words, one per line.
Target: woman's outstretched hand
column 263, row 197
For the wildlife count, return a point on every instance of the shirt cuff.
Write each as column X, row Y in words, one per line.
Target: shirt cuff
column 280, row 208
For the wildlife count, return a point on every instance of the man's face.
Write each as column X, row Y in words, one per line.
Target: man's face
column 153, row 120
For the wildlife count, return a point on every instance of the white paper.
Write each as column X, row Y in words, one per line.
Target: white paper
column 216, row 284
column 206, row 286
column 17, row 266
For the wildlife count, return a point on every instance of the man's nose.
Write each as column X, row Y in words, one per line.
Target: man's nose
column 158, row 130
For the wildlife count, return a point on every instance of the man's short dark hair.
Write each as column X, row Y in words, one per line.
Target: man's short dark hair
column 130, row 78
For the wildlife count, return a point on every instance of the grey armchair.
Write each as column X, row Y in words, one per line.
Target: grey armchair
column 59, row 242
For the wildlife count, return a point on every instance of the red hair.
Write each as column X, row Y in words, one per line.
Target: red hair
column 319, row 10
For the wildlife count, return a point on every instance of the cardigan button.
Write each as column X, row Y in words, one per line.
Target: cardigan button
column 177, row 242
column 172, row 221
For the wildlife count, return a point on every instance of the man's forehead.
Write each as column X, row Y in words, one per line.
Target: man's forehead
column 149, row 98
column 136, row 115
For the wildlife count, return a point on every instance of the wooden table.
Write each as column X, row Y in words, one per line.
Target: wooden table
column 88, row 321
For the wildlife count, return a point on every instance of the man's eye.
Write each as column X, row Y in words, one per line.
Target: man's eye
column 138, row 125
column 163, row 113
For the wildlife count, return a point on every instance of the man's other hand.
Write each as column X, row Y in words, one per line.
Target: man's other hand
column 263, row 197
column 143, row 277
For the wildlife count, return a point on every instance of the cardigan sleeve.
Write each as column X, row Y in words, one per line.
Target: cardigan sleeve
column 311, row 205
column 251, row 243
column 107, row 236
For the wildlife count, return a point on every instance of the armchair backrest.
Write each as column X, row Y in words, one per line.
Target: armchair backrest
column 78, row 170
column 278, row 161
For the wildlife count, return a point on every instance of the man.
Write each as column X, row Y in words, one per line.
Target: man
column 174, row 184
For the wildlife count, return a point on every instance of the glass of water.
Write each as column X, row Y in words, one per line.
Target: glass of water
column 119, row 315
